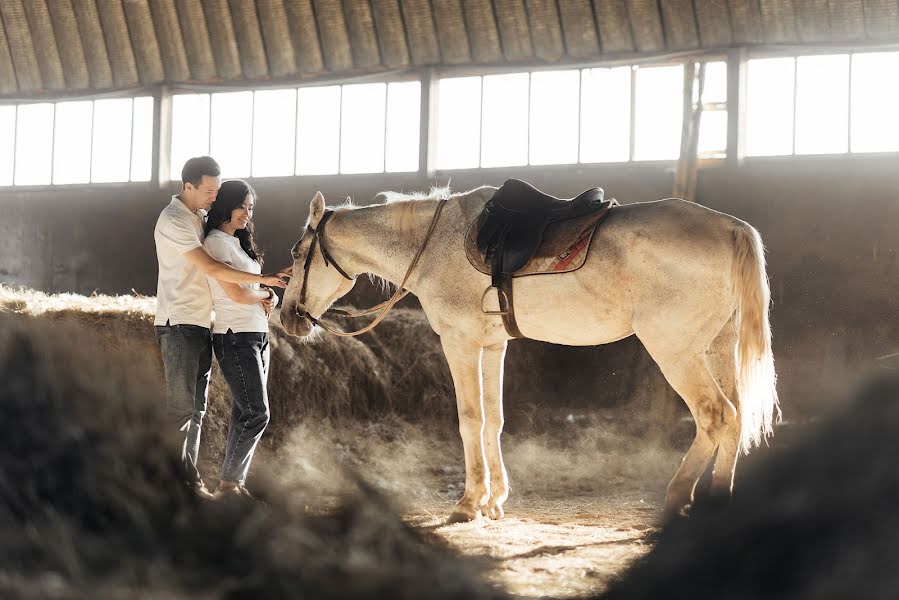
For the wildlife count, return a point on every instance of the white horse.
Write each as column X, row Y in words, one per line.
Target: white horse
column 688, row 281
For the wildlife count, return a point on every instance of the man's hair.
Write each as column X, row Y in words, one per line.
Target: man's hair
column 197, row 167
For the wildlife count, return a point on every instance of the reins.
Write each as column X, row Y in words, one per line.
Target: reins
column 384, row 307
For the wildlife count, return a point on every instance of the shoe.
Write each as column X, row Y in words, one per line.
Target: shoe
column 199, row 488
column 232, row 489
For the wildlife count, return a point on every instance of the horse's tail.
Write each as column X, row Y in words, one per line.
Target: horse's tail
column 757, row 393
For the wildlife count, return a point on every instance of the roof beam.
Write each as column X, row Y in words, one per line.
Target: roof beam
column 21, row 47
column 512, row 20
column 646, row 23
column 579, row 28
column 304, row 33
column 361, row 26
column 71, row 52
column 614, row 25
column 171, row 43
column 197, row 43
column 420, row 32
column 484, row 35
column 391, row 34
column 778, row 21
column 42, row 34
column 679, row 21
column 881, row 19
column 335, row 39
column 118, row 43
column 249, row 39
column 812, row 20
column 144, row 42
column 452, row 34
column 746, row 21
column 8, row 84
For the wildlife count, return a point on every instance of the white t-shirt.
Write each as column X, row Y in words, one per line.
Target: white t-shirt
column 239, row 318
column 182, row 294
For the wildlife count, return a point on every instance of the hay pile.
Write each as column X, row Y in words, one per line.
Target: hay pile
column 817, row 521
column 91, row 503
column 398, row 369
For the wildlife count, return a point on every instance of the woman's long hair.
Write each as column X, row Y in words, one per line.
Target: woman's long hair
column 231, row 195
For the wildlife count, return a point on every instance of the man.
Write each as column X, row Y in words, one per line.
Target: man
column 184, row 305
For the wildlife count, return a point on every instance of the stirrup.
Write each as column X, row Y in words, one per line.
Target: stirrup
column 503, row 302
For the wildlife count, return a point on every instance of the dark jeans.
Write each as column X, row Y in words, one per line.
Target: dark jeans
column 244, row 360
column 187, row 360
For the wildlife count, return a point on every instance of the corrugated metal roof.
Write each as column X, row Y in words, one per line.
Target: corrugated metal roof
column 48, row 47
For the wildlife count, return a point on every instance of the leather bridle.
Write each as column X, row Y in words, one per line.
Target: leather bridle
column 318, row 239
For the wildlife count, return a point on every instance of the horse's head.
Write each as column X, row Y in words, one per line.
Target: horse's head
column 317, row 281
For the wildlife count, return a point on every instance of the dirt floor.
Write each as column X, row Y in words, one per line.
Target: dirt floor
column 567, row 546
column 584, row 501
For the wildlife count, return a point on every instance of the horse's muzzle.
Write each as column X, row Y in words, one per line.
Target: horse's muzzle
column 296, row 321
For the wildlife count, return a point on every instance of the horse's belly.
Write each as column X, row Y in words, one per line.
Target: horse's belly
column 549, row 311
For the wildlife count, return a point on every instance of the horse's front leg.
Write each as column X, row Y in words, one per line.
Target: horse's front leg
column 492, row 378
column 464, row 362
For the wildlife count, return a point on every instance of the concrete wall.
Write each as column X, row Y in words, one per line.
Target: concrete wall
column 831, row 227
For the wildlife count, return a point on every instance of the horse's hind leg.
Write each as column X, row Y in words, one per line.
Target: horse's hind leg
column 723, row 363
column 690, row 375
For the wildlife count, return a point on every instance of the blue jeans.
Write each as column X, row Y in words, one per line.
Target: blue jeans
column 187, row 361
column 244, row 360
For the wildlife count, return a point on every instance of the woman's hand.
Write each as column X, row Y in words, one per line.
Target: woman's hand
column 278, row 280
column 269, row 304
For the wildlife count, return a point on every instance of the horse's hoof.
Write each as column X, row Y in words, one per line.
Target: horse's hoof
column 677, row 512
column 496, row 513
column 461, row 516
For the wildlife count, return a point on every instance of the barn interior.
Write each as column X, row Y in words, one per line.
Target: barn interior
column 781, row 113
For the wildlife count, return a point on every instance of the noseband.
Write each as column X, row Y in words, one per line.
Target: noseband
column 318, row 238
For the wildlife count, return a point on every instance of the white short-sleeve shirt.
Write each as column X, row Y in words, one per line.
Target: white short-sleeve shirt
column 239, row 318
column 182, row 293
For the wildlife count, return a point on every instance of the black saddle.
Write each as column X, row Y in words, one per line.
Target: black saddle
column 516, row 217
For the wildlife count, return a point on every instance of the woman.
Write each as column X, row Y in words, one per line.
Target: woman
column 240, row 331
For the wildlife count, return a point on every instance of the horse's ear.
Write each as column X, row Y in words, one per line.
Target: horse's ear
column 316, row 210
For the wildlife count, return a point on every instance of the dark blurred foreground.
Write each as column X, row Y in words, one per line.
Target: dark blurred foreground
column 818, row 521
column 92, row 505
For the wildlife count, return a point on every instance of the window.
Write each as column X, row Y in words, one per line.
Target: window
column 362, row 121
column 566, row 116
column 34, row 144
column 318, row 130
column 364, row 128
column 274, row 131
column 72, row 142
column 712, row 141
column 459, row 123
column 7, row 144
column 875, row 96
column 231, row 132
column 554, row 117
column 111, row 155
column 190, row 130
column 659, row 113
column 769, row 106
column 504, row 124
column 822, row 104
column 403, row 126
column 605, row 115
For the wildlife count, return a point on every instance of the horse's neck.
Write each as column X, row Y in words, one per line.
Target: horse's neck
column 382, row 239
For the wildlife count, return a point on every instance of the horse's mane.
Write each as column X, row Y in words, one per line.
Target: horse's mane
column 435, row 193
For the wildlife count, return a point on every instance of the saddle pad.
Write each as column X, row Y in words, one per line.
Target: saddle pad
column 563, row 248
